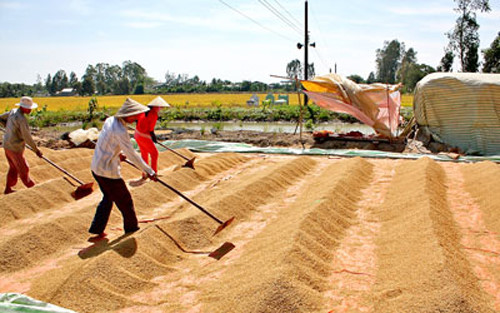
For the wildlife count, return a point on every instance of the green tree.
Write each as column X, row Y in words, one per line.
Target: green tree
column 311, row 71
column 446, row 63
column 88, row 81
column 150, row 83
column 371, row 78
column 139, row 89
column 411, row 72
column 77, row 86
column 88, row 86
column 464, row 38
column 48, row 83
column 92, row 108
column 245, row 85
column 134, row 72
column 112, row 75
column 492, row 57
column 100, row 78
column 91, row 72
column 15, row 90
column 59, row 81
column 73, row 79
column 122, row 87
column 38, row 87
column 294, row 69
column 414, row 73
column 170, row 79
column 356, row 78
column 388, row 61
column 408, row 63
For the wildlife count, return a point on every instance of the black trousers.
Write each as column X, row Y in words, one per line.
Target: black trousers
column 113, row 191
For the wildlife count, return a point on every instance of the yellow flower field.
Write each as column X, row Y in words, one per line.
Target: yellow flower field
column 192, row 100
column 407, row 100
column 188, row 100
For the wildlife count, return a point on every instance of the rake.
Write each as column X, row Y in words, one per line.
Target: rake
column 81, row 191
column 222, row 224
column 189, row 162
column 216, row 254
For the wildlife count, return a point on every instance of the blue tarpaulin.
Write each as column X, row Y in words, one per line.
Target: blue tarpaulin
column 218, row 146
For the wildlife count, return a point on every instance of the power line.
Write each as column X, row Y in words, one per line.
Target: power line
column 280, row 16
column 321, row 58
column 321, row 37
column 289, row 14
column 256, row 22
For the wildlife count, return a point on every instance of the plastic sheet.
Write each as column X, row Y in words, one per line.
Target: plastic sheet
column 218, row 146
column 16, row 302
column 81, row 135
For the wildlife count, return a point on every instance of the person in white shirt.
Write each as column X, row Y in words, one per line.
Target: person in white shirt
column 112, row 147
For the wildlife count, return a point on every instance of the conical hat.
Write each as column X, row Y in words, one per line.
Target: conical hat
column 159, row 102
column 131, row 107
column 27, row 103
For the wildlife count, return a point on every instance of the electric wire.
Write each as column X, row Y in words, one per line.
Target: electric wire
column 254, row 21
column 322, row 40
column 321, row 58
column 280, row 16
column 289, row 14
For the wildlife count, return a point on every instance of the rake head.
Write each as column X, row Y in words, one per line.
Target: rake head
column 190, row 163
column 82, row 191
column 223, row 225
column 222, row 251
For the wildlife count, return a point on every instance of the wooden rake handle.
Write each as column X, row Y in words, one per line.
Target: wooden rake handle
column 181, row 195
column 58, row 167
column 164, row 146
column 53, row 164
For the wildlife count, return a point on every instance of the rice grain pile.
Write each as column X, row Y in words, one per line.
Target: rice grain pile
column 293, row 218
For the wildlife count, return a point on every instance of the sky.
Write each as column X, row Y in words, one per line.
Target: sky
column 228, row 39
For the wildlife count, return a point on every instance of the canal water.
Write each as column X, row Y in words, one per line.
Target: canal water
column 275, row 127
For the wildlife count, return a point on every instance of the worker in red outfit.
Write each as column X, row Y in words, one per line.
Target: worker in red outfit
column 17, row 135
column 146, row 138
column 113, row 146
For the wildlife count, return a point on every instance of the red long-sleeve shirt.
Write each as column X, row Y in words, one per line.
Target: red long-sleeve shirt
column 147, row 123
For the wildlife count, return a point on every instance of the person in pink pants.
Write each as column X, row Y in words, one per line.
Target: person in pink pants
column 17, row 136
column 146, row 138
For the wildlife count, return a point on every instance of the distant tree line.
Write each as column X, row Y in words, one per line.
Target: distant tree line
column 130, row 78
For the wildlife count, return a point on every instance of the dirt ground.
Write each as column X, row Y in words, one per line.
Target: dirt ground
column 53, row 139
column 311, row 234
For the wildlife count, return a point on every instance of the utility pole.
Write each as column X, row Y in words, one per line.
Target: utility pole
column 306, row 49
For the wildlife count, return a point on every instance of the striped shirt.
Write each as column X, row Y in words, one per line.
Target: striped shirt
column 17, row 131
column 113, row 140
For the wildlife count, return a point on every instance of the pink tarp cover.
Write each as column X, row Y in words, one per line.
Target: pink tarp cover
column 376, row 105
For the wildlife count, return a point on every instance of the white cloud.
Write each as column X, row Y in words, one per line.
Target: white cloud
column 12, row 5
column 59, row 22
column 144, row 25
column 422, row 10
